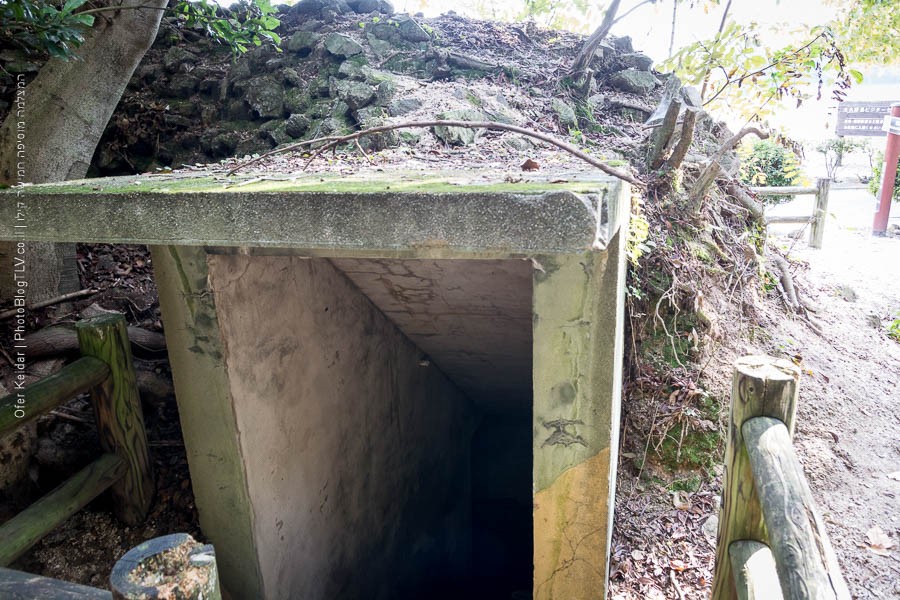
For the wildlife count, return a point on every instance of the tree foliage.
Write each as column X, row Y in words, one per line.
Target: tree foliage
column 737, row 70
column 42, row 27
column 868, row 31
column 57, row 29
column 877, row 174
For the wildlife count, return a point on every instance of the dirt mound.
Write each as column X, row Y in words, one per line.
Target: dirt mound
column 191, row 102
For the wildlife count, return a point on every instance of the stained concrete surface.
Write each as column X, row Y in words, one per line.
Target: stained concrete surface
column 471, row 317
column 357, row 454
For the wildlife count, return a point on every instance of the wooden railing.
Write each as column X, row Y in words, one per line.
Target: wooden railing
column 106, row 370
column 173, row 566
column 816, row 220
column 772, row 543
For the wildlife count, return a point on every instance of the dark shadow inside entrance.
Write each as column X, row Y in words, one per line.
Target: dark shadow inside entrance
column 472, row 319
column 501, row 507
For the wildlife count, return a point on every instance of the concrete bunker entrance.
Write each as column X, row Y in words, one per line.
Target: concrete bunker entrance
column 356, row 372
column 385, row 420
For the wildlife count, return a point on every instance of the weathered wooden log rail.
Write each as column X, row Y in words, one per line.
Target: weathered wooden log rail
column 772, row 543
column 106, row 370
column 172, row 566
column 816, row 220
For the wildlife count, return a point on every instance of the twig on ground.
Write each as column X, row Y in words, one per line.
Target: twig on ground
column 787, row 282
column 332, row 142
column 675, row 584
column 63, row 298
column 69, row 417
column 363, row 152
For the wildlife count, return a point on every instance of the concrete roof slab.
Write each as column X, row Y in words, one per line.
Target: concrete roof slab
column 396, row 215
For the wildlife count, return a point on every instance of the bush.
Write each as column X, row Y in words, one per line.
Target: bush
column 769, row 164
column 875, row 182
column 834, row 151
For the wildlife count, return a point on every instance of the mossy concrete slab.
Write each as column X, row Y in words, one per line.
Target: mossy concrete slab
column 410, row 215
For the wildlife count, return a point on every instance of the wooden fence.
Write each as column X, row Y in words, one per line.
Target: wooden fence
column 173, row 566
column 772, row 543
column 106, row 370
column 816, row 220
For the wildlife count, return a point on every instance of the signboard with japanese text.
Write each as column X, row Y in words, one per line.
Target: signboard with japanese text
column 862, row 118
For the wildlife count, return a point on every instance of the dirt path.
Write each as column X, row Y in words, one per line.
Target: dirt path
column 848, row 434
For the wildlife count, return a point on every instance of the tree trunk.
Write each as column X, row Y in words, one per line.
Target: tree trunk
column 586, row 54
column 674, row 21
column 65, row 110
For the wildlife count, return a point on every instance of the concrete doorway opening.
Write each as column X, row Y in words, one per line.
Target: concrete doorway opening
column 472, row 320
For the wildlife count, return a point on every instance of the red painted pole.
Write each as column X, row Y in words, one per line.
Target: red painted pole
column 886, row 191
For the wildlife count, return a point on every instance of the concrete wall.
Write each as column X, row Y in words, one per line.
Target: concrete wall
column 356, row 457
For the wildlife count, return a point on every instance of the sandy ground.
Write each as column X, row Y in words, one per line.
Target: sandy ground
column 848, row 435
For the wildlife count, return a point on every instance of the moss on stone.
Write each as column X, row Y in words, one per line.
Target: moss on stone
column 413, row 183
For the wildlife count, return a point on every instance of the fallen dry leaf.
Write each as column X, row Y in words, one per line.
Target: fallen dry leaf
column 677, row 565
column 879, row 541
column 681, row 500
column 895, row 475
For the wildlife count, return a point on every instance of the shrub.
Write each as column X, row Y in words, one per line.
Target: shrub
column 875, row 182
column 767, row 163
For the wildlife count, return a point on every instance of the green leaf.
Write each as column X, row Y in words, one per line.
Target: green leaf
column 71, row 5
column 857, row 76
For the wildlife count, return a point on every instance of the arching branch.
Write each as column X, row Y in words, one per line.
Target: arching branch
column 330, row 142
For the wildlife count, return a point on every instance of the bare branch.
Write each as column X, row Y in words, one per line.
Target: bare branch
column 586, row 54
column 713, row 167
column 331, row 142
column 44, row 303
column 735, row 190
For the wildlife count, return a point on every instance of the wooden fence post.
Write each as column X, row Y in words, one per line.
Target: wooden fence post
column 817, row 229
column 117, row 409
column 761, row 386
column 175, row 565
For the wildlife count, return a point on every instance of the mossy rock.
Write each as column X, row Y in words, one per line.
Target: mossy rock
column 296, row 125
column 384, row 93
column 276, row 132
column 302, row 43
column 633, row 81
column 403, row 106
column 458, row 136
column 342, row 45
column 265, row 95
column 564, row 112
column 296, row 100
column 355, row 93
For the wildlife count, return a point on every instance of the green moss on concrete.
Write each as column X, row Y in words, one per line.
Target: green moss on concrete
column 167, row 184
